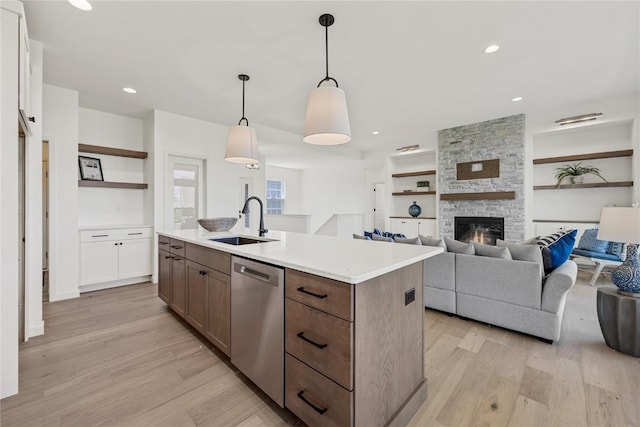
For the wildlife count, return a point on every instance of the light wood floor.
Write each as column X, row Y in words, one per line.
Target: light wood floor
column 118, row 357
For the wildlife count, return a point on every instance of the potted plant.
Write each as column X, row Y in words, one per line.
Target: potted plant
column 576, row 173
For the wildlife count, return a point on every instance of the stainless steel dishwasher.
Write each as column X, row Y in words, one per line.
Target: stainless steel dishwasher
column 257, row 324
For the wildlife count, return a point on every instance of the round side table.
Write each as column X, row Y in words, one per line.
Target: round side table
column 619, row 317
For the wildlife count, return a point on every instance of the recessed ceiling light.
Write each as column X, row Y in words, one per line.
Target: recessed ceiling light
column 129, row 90
column 81, row 4
column 492, row 48
column 517, row 98
column 375, row 132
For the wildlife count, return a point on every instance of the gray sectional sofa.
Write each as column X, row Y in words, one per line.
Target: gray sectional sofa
column 513, row 294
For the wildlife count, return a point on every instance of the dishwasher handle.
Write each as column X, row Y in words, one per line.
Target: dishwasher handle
column 255, row 274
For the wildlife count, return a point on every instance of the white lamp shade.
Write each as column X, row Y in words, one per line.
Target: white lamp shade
column 242, row 145
column 327, row 119
column 620, row 224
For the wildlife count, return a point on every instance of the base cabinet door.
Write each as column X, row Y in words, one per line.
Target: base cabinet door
column 178, row 300
column 165, row 261
column 218, row 327
column 98, row 262
column 196, row 295
column 427, row 227
column 134, row 258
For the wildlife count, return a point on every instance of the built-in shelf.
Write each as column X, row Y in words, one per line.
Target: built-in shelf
column 413, row 193
column 570, row 221
column 417, row 173
column 590, row 185
column 110, row 151
column 588, row 156
column 491, row 195
column 413, row 217
column 107, row 184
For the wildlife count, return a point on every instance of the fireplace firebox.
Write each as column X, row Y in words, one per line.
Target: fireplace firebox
column 485, row 230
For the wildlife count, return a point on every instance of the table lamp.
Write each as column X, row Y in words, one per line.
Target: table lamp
column 622, row 224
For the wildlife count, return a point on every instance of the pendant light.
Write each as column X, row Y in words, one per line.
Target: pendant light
column 327, row 118
column 242, row 144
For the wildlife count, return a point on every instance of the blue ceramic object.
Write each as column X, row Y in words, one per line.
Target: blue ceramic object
column 414, row 210
column 627, row 276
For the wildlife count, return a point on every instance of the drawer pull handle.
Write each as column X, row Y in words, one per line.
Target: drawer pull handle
column 303, row 290
column 134, row 234
column 176, row 247
column 100, row 235
column 203, row 273
column 315, row 408
column 167, row 257
column 176, row 258
column 320, row 346
column 163, row 243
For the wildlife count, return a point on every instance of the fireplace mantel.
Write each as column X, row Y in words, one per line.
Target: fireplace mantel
column 487, row 195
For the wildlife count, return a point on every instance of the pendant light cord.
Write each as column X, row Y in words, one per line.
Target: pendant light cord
column 326, row 58
column 243, row 117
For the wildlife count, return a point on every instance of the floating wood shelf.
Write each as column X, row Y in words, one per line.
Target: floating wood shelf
column 107, row 184
column 590, row 185
column 413, row 217
column 110, row 151
column 567, row 221
column 418, row 173
column 588, row 156
column 413, row 193
column 495, row 195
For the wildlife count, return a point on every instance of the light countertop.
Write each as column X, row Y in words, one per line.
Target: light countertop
column 108, row 227
column 347, row 260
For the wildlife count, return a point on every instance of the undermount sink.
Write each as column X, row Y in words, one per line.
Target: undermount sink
column 238, row 240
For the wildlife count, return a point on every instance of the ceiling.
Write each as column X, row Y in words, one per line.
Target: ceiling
column 408, row 68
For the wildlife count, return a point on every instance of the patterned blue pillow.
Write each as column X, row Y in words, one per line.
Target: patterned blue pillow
column 589, row 242
column 615, row 248
column 556, row 248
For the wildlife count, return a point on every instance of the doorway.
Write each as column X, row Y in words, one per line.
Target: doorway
column 21, row 237
column 45, row 221
column 378, row 206
column 184, row 193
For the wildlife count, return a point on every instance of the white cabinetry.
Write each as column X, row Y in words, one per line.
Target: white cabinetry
column 114, row 257
column 412, row 227
column 24, row 73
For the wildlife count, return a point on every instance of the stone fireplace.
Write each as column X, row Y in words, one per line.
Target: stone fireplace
column 496, row 195
column 485, row 230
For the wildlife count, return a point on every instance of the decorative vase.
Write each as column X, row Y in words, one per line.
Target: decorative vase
column 627, row 275
column 414, row 210
column 577, row 179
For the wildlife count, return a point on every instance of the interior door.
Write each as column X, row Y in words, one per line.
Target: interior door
column 21, row 237
column 184, row 193
column 379, row 214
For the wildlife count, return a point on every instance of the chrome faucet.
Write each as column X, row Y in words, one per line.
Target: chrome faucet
column 262, row 231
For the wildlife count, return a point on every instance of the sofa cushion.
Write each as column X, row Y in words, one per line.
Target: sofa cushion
column 521, row 252
column 382, row 239
column 459, row 247
column 358, row 236
column 491, row 251
column 429, row 241
column 556, row 248
column 408, row 241
column 589, row 242
column 598, row 255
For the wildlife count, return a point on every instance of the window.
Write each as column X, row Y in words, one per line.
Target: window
column 275, row 196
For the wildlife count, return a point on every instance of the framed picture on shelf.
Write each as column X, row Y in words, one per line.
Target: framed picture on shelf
column 90, row 169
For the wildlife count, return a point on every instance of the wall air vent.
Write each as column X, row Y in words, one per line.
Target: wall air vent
column 578, row 119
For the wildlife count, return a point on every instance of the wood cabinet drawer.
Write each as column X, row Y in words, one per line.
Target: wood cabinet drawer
column 163, row 243
column 176, row 247
column 324, row 294
column 315, row 399
column 320, row 340
column 217, row 260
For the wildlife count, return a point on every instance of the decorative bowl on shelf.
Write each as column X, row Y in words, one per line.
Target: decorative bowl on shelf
column 217, row 224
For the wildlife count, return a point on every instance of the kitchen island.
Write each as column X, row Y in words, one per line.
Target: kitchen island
column 353, row 351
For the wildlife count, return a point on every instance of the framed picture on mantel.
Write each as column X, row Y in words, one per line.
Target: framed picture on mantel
column 90, row 168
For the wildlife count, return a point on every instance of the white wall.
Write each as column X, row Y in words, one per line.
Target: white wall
column 293, row 187
column 33, row 215
column 339, row 189
column 9, row 203
column 60, row 128
column 112, row 206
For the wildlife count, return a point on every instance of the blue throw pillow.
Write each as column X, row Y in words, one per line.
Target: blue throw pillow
column 589, row 242
column 368, row 234
column 376, row 231
column 556, row 248
column 616, row 248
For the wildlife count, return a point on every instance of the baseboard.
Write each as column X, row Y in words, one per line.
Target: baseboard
column 410, row 407
column 62, row 296
column 116, row 283
column 37, row 330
